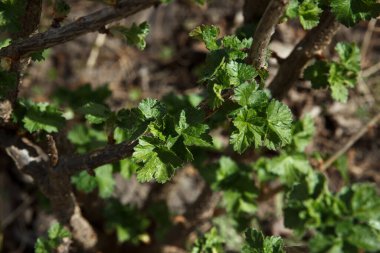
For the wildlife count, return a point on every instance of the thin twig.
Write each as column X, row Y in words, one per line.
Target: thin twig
column 264, row 32
column 367, row 39
column 351, row 142
column 99, row 42
column 90, row 23
column 15, row 213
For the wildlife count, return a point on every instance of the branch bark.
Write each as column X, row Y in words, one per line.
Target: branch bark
column 314, row 41
column 90, row 23
column 264, row 32
column 54, row 184
column 29, row 23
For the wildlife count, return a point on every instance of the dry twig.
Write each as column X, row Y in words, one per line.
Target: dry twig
column 351, row 142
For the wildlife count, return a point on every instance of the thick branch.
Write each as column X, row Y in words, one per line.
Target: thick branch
column 55, row 185
column 264, row 32
column 291, row 68
column 83, row 25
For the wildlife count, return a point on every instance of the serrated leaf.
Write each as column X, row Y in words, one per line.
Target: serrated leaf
column 56, row 231
column 364, row 237
column 317, row 74
column 256, row 242
column 210, row 242
column 350, row 12
column 302, row 133
column 309, row 13
column 84, row 182
column 279, row 121
column 135, row 35
column 195, row 134
column 95, row 113
column 131, row 124
column 152, row 108
column 250, row 130
column 208, row 34
column 248, row 94
column 42, row 117
column 157, row 162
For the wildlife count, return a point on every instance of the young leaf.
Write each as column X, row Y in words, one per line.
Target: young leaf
column 131, row 229
column 256, row 242
column 95, row 113
column 208, row 34
column 134, row 35
column 41, row 117
column 56, row 234
column 158, row 161
column 210, row 242
column 152, row 108
column 309, row 13
column 195, row 134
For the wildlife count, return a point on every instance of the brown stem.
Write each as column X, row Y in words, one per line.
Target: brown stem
column 90, row 23
column 314, row 41
column 264, row 32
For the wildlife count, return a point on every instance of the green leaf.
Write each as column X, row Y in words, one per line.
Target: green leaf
column 86, row 138
column 364, row 237
column 350, row 12
column 317, row 74
column 157, row 161
column 61, row 9
column 84, row 182
column 152, row 108
column 56, row 231
column 279, row 121
column 292, row 9
column 338, row 75
column 56, row 234
column 256, row 242
column 210, row 242
column 128, row 222
column 309, row 13
column 208, row 34
column 250, row 130
column 248, row 94
column 131, row 125
column 105, row 181
column 134, row 35
column 95, row 113
column 82, row 95
column 11, row 13
column 195, row 134
column 302, row 133
column 42, row 117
